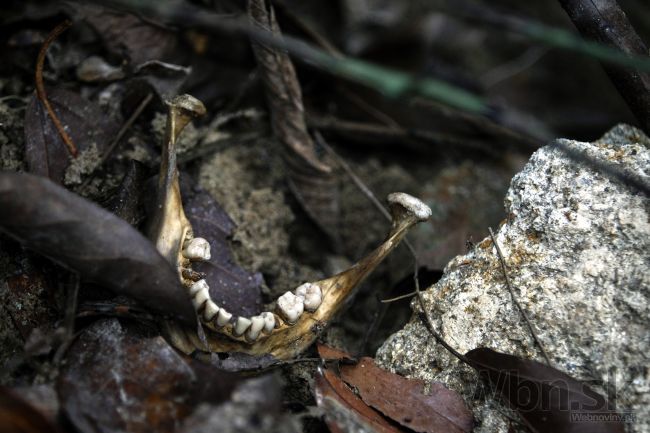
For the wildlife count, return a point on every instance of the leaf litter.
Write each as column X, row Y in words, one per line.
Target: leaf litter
column 398, row 398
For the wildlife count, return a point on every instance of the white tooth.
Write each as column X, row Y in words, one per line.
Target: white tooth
column 256, row 327
column 197, row 249
column 269, row 321
column 211, row 310
column 200, row 297
column 311, row 294
column 197, row 287
column 290, row 306
column 223, row 317
column 301, row 290
column 241, row 325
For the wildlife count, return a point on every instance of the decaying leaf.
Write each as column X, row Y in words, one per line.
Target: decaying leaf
column 81, row 236
column 126, row 35
column 545, row 398
column 331, row 353
column 311, row 180
column 45, row 152
column 255, row 406
column 402, row 399
column 344, row 411
column 117, row 380
column 18, row 416
column 41, row 397
column 230, row 286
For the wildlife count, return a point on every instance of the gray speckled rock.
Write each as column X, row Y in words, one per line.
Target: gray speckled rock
column 578, row 249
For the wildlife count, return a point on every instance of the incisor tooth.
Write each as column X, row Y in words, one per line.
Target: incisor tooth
column 311, row 294
column 269, row 321
column 241, row 325
column 197, row 249
column 223, row 317
column 211, row 309
column 290, row 306
column 256, row 327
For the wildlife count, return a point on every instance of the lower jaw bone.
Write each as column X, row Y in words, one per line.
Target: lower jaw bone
column 297, row 329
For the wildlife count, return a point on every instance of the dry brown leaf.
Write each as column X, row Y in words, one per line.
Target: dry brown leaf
column 402, row 400
column 344, row 411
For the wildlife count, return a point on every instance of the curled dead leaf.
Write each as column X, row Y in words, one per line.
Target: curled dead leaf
column 81, row 236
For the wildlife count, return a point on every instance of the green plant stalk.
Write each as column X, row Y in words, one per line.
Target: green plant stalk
column 566, row 40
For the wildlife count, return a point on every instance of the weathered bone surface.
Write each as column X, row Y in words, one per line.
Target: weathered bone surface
column 301, row 314
column 170, row 228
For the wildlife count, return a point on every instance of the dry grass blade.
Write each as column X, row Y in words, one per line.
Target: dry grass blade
column 311, row 180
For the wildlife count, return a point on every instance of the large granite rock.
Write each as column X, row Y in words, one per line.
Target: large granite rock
column 577, row 244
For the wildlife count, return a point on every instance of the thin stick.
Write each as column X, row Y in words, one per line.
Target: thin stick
column 127, row 125
column 514, row 299
column 40, row 87
column 355, row 179
column 397, row 298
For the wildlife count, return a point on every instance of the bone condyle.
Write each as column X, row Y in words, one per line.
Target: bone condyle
column 301, row 313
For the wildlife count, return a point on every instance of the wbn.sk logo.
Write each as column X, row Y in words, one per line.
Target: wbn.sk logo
column 561, row 399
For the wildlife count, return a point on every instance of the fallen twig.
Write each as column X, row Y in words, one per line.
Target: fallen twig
column 40, row 87
column 604, row 22
column 514, row 299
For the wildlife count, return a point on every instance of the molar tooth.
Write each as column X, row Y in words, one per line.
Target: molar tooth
column 223, row 317
column 211, row 309
column 241, row 325
column 290, row 306
column 269, row 321
column 201, row 296
column 256, row 327
column 197, row 249
column 198, row 286
column 311, row 294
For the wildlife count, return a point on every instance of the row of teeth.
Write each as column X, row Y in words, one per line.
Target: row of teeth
column 290, row 306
